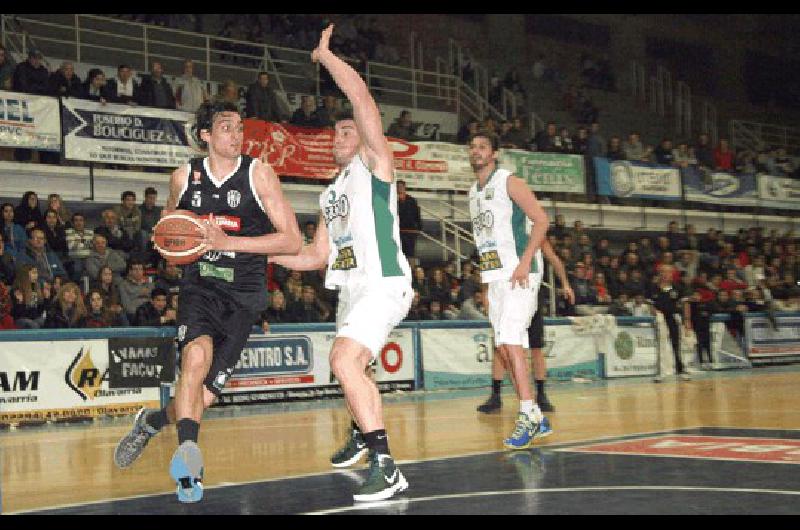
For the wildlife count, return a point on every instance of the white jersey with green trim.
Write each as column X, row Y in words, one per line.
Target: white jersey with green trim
column 360, row 212
column 500, row 228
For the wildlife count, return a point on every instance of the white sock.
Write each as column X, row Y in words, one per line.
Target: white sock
column 531, row 409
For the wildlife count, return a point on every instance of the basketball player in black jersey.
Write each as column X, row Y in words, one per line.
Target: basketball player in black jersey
column 223, row 292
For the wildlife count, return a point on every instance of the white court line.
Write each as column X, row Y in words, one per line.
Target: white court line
column 552, row 490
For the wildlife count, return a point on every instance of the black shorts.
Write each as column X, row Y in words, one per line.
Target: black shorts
column 201, row 312
column 536, row 329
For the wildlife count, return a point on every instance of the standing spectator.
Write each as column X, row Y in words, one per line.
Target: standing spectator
column 13, row 234
column 704, row 153
column 581, row 141
column 102, row 256
column 155, row 91
column 155, row 312
column 134, row 290
column 130, row 216
column 150, row 214
column 31, row 76
column 67, row 309
column 116, row 237
column 29, row 298
column 566, row 141
column 328, row 111
column 262, row 101
column 94, row 88
column 123, row 88
column 410, row 220
column 402, row 127
column 190, row 92
column 723, row 157
column 28, row 213
column 596, row 144
column 36, row 254
column 64, row 83
column 633, row 148
column 306, row 114
column 7, row 67
column 80, row 243
column 56, row 234
column 667, row 300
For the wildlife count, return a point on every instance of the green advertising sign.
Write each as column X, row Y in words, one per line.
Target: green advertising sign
column 551, row 172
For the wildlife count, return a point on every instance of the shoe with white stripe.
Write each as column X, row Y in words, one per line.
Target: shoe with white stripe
column 383, row 482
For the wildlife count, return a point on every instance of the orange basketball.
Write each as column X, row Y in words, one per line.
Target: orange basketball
column 179, row 237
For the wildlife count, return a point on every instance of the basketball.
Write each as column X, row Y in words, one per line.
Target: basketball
column 179, row 237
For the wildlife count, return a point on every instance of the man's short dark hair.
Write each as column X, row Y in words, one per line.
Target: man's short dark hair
column 404, row 113
column 343, row 115
column 128, row 193
column 78, row 214
column 131, row 263
column 401, row 181
column 205, row 115
column 493, row 139
column 262, row 73
column 122, row 67
column 158, row 291
column 150, row 191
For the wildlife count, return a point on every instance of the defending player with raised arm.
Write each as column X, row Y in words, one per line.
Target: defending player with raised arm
column 224, row 291
column 358, row 239
column 511, row 263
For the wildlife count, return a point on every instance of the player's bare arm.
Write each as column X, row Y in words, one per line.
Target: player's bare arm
column 177, row 182
column 523, row 197
column 367, row 117
column 559, row 269
column 311, row 257
column 285, row 240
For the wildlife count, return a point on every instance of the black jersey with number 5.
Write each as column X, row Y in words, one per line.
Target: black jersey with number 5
column 239, row 212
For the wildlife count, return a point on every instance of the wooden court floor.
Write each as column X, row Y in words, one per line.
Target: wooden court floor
column 71, row 464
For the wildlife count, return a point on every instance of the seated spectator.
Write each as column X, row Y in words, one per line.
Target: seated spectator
column 123, row 89
column 67, row 309
column 584, row 291
column 663, row 153
column 56, row 234
column 567, row 146
column 80, row 243
column 116, row 237
column 402, row 127
column 29, row 298
column 37, row 254
column 99, row 316
column 732, row 282
column 417, row 310
column 94, row 88
column 723, row 157
column 641, row 307
column 306, row 114
column 600, row 287
column 277, row 313
column 7, row 67
column 169, row 278
column 783, row 163
column 615, row 151
column 704, row 153
column 547, row 141
column 745, row 162
column 620, row 306
column 105, row 283
column 434, row 311
column 683, row 156
column 64, row 83
column 634, row 149
column 580, row 143
column 439, row 288
column 474, row 308
column 190, row 92
column 31, row 76
column 8, row 264
column 129, row 215
column 262, row 101
column 6, row 320
column 228, row 92
column 790, row 302
column 308, row 308
column 28, row 214
column 327, row 112
column 55, row 203
column 102, row 256
column 466, row 131
column 134, row 290
column 155, row 312
column 155, row 91
column 14, row 235
column 516, row 137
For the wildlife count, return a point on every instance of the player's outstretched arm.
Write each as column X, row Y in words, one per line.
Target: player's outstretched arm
column 560, row 270
column 365, row 111
column 286, row 238
column 523, row 197
column 311, row 257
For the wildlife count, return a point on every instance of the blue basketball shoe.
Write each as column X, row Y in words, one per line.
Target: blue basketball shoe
column 544, row 429
column 524, row 432
column 186, row 470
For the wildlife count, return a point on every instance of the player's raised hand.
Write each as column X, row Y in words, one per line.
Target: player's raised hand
column 324, row 41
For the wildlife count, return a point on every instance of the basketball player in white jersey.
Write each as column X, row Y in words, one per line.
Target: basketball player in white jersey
column 358, row 240
column 511, row 264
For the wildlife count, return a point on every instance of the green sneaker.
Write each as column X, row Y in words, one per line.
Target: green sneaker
column 383, row 482
column 352, row 451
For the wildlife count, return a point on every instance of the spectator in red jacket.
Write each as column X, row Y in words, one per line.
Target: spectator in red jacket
column 724, row 158
column 731, row 282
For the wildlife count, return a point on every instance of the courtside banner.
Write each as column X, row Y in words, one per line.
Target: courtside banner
column 634, row 352
column 569, row 354
column 295, row 366
column 550, row 172
column 29, row 121
column 141, row 362
column 779, row 192
column 124, row 134
column 622, row 178
column 719, row 188
column 763, row 341
column 51, row 380
column 457, row 357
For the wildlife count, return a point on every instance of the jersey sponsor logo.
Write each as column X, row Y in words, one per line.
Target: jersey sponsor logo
column 215, row 255
column 337, row 207
column 234, row 198
column 484, row 221
column 345, row 260
column 229, row 223
column 489, row 194
column 207, row 270
column 490, row 261
column 195, row 178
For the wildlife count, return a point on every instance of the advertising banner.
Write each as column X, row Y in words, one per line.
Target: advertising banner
column 295, row 366
column 726, row 351
column 779, row 192
column 140, row 362
column 634, row 180
column 124, row 134
column 719, row 188
column 549, row 172
column 51, row 380
column 634, row 352
column 569, row 354
column 764, row 342
column 29, row 121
